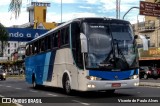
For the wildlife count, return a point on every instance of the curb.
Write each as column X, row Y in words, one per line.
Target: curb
column 151, row 84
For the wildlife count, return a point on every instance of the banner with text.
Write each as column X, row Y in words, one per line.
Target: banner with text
column 24, row 34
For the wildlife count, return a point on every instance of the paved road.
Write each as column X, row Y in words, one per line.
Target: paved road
column 19, row 88
column 150, row 82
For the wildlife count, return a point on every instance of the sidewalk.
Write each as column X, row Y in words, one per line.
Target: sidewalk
column 150, row 84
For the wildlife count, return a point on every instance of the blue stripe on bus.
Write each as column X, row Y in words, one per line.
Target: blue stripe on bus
column 110, row 75
column 46, row 66
column 51, row 67
column 39, row 62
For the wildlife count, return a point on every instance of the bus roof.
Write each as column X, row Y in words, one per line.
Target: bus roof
column 75, row 20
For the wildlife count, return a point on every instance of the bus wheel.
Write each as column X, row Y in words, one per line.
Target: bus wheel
column 67, row 86
column 34, row 83
column 110, row 91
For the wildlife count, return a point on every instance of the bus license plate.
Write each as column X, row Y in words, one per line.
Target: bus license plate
column 116, row 84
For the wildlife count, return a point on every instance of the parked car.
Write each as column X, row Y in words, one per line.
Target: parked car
column 144, row 72
column 148, row 72
column 2, row 75
column 154, row 71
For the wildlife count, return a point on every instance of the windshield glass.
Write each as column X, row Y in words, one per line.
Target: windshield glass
column 123, row 35
column 109, row 42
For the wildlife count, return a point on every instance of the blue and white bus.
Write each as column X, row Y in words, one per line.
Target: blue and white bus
column 84, row 54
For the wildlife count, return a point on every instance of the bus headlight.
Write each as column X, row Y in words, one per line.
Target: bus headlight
column 93, row 78
column 134, row 77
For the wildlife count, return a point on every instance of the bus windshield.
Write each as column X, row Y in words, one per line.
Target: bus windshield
column 110, row 46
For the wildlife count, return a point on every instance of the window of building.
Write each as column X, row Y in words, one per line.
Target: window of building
column 8, row 51
column 8, row 44
column 15, row 45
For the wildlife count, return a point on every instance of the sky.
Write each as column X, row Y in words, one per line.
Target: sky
column 72, row 9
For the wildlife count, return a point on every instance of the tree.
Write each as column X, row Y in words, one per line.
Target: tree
column 15, row 7
column 4, row 36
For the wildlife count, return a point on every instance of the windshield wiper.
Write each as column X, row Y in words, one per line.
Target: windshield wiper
column 121, row 60
column 115, row 62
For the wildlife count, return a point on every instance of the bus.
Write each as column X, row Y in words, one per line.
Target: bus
column 84, row 54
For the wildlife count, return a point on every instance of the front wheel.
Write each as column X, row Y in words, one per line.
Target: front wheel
column 145, row 76
column 110, row 91
column 67, row 86
column 34, row 85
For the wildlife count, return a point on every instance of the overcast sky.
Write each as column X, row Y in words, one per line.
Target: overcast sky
column 73, row 9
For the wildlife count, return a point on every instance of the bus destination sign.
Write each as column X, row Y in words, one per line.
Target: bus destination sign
column 149, row 9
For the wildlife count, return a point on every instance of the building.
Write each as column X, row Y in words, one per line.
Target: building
column 21, row 34
column 37, row 16
column 150, row 28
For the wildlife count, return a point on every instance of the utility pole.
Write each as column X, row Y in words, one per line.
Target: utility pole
column 61, row 11
column 118, row 9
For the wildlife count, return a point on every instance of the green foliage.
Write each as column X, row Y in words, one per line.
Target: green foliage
column 15, row 7
column 4, row 36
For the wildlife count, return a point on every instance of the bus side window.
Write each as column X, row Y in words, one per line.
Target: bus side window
column 62, row 37
column 76, row 44
column 42, row 47
column 59, row 39
column 55, row 40
column 51, row 41
column 52, row 38
column 65, row 36
column 33, row 48
column 39, row 45
column 27, row 50
column 48, row 42
column 30, row 49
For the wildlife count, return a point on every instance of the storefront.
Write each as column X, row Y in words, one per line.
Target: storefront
column 150, row 57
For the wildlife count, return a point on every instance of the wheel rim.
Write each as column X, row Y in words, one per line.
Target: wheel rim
column 34, row 84
column 67, row 86
column 145, row 76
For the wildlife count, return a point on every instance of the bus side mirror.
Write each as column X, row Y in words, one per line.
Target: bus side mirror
column 83, row 38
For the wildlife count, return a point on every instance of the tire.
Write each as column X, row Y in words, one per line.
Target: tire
column 34, row 85
column 110, row 91
column 155, row 78
column 67, row 85
column 145, row 76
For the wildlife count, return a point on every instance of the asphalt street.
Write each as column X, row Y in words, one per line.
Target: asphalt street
column 56, row 97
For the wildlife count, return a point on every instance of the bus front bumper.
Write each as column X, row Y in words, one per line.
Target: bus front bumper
column 107, row 85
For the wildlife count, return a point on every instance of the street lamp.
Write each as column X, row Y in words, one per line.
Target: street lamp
column 129, row 10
